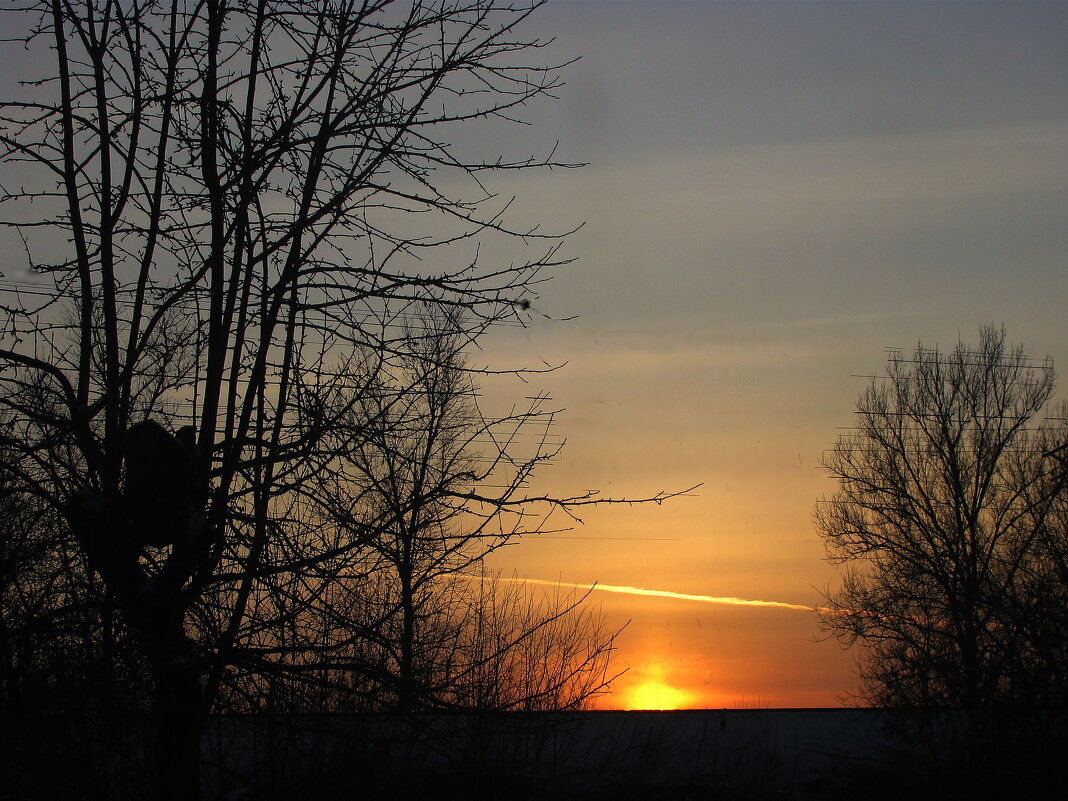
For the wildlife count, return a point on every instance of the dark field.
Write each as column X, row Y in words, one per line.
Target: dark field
column 724, row 754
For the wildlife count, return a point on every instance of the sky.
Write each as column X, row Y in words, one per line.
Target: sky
column 776, row 192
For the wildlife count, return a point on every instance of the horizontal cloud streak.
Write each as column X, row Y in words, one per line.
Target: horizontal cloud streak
column 623, row 589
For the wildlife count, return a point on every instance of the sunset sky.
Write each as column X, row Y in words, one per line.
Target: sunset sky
column 776, row 192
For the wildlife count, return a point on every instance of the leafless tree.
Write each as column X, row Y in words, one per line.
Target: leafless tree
column 431, row 486
column 42, row 630
column 1035, row 607
column 444, row 486
column 947, row 519
column 228, row 210
column 521, row 650
column 418, row 462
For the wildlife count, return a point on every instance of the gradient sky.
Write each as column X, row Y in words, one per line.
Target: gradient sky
column 776, row 192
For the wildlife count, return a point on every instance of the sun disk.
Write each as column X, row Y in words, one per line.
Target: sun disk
column 655, row 695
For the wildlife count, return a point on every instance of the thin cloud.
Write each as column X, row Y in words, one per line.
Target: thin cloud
column 622, row 589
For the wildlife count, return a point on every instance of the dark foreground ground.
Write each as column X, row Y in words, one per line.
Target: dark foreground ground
column 716, row 754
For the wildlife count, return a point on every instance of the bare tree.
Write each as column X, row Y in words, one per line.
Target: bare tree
column 516, row 649
column 49, row 608
column 1035, row 607
column 67, row 667
column 431, row 486
column 444, row 486
column 943, row 516
column 418, row 462
column 222, row 205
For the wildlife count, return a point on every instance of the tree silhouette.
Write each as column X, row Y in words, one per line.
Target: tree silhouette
column 230, row 212
column 443, row 486
column 948, row 519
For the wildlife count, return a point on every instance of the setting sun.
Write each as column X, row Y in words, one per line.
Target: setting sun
column 651, row 687
column 655, row 695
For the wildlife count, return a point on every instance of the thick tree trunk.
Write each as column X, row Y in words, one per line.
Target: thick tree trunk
column 155, row 611
column 179, row 726
column 179, row 695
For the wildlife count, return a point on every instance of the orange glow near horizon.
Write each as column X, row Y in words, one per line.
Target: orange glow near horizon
column 681, row 650
column 684, row 650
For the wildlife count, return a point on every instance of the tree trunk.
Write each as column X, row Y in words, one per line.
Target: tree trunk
column 179, row 726
column 406, row 689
